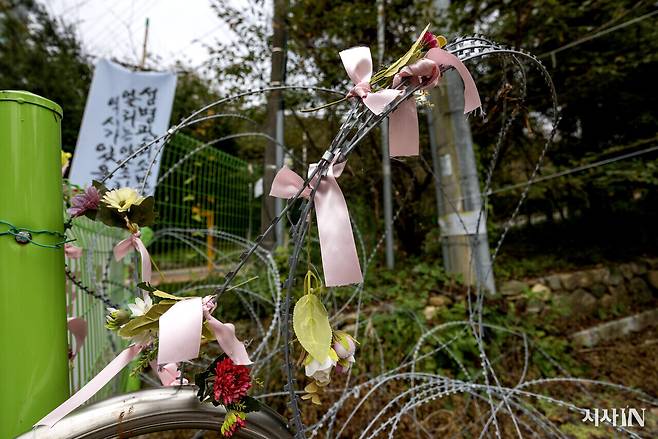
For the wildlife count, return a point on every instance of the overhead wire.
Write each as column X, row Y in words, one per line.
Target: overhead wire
column 577, row 169
column 598, row 34
column 107, row 31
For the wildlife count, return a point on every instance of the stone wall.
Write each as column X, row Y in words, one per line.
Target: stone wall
column 585, row 292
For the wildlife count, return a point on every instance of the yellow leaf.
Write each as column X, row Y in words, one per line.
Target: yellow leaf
column 311, row 324
column 165, row 295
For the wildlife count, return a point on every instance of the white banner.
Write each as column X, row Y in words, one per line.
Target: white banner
column 124, row 111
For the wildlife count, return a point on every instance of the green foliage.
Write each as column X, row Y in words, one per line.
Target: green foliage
column 145, row 358
column 603, row 90
column 41, row 54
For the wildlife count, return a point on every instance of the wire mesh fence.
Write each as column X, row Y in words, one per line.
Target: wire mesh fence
column 103, row 278
column 200, row 187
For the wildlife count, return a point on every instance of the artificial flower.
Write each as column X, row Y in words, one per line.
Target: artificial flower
column 140, row 307
column 344, row 344
column 231, row 382
column 123, row 199
column 429, row 40
column 344, row 364
column 313, row 391
column 232, row 421
column 116, row 318
column 66, row 157
column 422, row 99
column 320, row 371
column 84, row 202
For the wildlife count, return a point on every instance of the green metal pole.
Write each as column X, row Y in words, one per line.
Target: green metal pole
column 33, row 339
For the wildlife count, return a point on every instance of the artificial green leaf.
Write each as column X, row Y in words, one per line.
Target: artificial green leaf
column 311, row 324
column 250, row 404
column 165, row 295
column 137, row 326
column 146, row 287
column 148, row 321
column 159, row 308
column 200, row 381
column 110, row 217
column 100, row 187
column 206, row 332
column 144, row 214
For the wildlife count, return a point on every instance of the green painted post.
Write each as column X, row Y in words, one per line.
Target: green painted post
column 33, row 340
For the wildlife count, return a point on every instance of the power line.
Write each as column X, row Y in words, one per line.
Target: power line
column 598, row 34
column 108, row 32
column 577, row 169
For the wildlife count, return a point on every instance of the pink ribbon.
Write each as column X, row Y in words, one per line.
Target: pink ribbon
column 169, row 374
column 340, row 261
column 133, row 242
column 403, row 126
column 403, row 122
column 72, row 252
column 92, row 387
column 78, row 327
column 358, row 64
column 180, row 332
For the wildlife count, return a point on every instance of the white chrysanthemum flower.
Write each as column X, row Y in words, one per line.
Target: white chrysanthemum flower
column 140, row 307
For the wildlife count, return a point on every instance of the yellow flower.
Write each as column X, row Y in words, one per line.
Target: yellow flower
column 66, row 156
column 123, row 199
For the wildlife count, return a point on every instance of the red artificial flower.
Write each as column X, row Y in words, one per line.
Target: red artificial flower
column 239, row 423
column 231, row 382
column 429, row 40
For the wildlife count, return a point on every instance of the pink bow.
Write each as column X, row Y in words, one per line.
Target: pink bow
column 358, row 64
column 180, row 332
column 403, row 122
column 133, row 242
column 340, row 261
column 403, row 126
column 93, row 386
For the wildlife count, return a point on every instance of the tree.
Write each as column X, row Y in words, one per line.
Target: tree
column 605, row 93
column 41, row 54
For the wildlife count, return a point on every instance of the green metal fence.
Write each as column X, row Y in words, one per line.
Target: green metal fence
column 102, row 275
column 200, row 187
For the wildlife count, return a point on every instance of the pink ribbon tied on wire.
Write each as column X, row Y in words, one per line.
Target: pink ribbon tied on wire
column 134, row 242
column 340, row 261
column 180, row 328
column 179, row 340
column 403, row 122
column 358, row 64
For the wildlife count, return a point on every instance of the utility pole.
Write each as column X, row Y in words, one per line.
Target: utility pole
column 146, row 39
column 464, row 239
column 386, row 160
column 271, row 206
